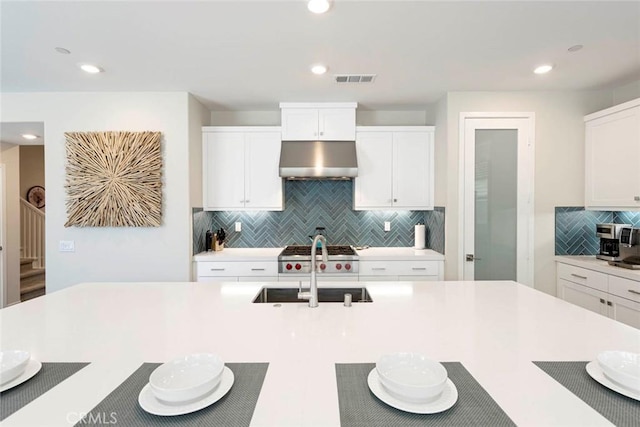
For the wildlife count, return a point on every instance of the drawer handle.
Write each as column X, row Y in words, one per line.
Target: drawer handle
column 634, row 292
column 217, row 269
column 579, row 277
column 602, row 301
column 419, row 268
column 379, row 268
column 258, row 269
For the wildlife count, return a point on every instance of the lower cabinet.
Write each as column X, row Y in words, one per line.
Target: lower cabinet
column 238, row 271
column 615, row 297
column 401, row 271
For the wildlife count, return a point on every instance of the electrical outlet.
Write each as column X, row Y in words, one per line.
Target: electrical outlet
column 387, row 226
column 238, row 226
column 67, row 246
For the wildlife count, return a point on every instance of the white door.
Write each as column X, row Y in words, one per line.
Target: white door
column 411, row 156
column 373, row 185
column 263, row 184
column 300, row 124
column 497, row 179
column 3, row 290
column 224, row 171
column 336, row 124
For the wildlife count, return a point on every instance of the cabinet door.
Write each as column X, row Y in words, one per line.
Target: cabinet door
column 583, row 296
column 223, row 171
column 299, row 124
column 625, row 311
column 263, row 185
column 337, row 124
column 373, row 185
column 612, row 159
column 413, row 170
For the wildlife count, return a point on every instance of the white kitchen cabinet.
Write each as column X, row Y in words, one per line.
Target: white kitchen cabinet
column 609, row 295
column 612, row 156
column 240, row 168
column 318, row 121
column 401, row 270
column 395, row 168
column 237, row 271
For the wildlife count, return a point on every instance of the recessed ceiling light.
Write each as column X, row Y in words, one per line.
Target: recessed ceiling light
column 319, row 69
column 543, row 69
column 63, row 50
column 29, row 136
column 318, row 6
column 575, row 48
column 91, row 69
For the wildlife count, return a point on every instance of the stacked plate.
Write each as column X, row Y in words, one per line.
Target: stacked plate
column 186, row 384
column 16, row 367
column 619, row 371
column 412, row 383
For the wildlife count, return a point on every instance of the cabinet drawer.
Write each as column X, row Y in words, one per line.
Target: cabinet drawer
column 625, row 288
column 224, row 269
column 398, row 268
column 583, row 276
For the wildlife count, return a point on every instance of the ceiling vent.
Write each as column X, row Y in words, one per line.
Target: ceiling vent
column 354, row 78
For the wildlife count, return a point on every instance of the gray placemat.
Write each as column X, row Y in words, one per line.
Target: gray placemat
column 234, row 409
column 619, row 409
column 49, row 376
column 359, row 407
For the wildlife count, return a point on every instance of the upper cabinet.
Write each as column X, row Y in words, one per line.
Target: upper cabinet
column 240, row 168
column 395, row 168
column 612, row 154
column 318, row 121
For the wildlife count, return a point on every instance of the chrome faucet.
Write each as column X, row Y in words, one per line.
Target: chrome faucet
column 312, row 295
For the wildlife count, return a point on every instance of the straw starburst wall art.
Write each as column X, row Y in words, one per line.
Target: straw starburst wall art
column 114, row 179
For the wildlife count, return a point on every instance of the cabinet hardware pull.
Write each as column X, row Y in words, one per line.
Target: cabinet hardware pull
column 247, row 201
column 257, row 269
column 634, row 292
column 379, row 268
column 636, row 198
column 217, row 269
column 419, row 268
column 578, row 276
column 609, row 303
column 601, row 301
column 395, row 200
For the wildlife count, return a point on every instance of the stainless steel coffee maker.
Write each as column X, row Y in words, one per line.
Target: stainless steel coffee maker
column 629, row 248
column 609, row 235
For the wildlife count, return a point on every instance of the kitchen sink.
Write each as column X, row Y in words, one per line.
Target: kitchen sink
column 281, row 295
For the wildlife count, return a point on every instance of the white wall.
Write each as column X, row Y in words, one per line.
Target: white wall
column 10, row 157
column 113, row 254
column 559, row 163
column 31, row 168
column 441, row 142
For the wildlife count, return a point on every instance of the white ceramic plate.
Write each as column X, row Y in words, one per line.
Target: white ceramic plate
column 446, row 400
column 595, row 371
column 33, row 367
column 152, row 405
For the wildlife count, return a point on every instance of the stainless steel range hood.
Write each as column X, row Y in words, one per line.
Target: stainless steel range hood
column 318, row 160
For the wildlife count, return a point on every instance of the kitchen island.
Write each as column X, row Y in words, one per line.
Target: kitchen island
column 495, row 329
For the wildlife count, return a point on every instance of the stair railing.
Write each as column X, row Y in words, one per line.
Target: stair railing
column 32, row 233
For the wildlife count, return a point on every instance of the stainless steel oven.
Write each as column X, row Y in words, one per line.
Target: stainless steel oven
column 294, row 263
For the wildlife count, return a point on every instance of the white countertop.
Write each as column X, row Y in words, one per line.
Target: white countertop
column 593, row 263
column 271, row 254
column 400, row 254
column 496, row 329
column 240, row 254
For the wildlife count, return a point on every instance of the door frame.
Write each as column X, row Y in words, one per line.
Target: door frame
column 3, row 233
column 526, row 166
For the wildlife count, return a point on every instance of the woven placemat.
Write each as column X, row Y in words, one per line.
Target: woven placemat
column 619, row 409
column 359, row 407
column 50, row 375
column 235, row 409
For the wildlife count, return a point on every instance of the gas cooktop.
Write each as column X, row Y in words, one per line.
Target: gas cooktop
column 305, row 250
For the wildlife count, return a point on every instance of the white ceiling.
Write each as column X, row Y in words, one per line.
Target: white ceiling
column 11, row 132
column 242, row 55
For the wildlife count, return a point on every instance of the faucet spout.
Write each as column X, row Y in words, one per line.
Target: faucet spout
column 313, row 291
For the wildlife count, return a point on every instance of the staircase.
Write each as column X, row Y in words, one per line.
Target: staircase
column 32, row 251
column 32, row 280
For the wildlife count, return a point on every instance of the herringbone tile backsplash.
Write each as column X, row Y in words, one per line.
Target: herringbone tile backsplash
column 576, row 228
column 311, row 204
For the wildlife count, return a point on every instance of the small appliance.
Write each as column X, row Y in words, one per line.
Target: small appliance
column 609, row 235
column 629, row 249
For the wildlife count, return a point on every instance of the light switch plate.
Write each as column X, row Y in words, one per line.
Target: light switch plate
column 67, row 246
column 238, row 226
column 387, row 226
